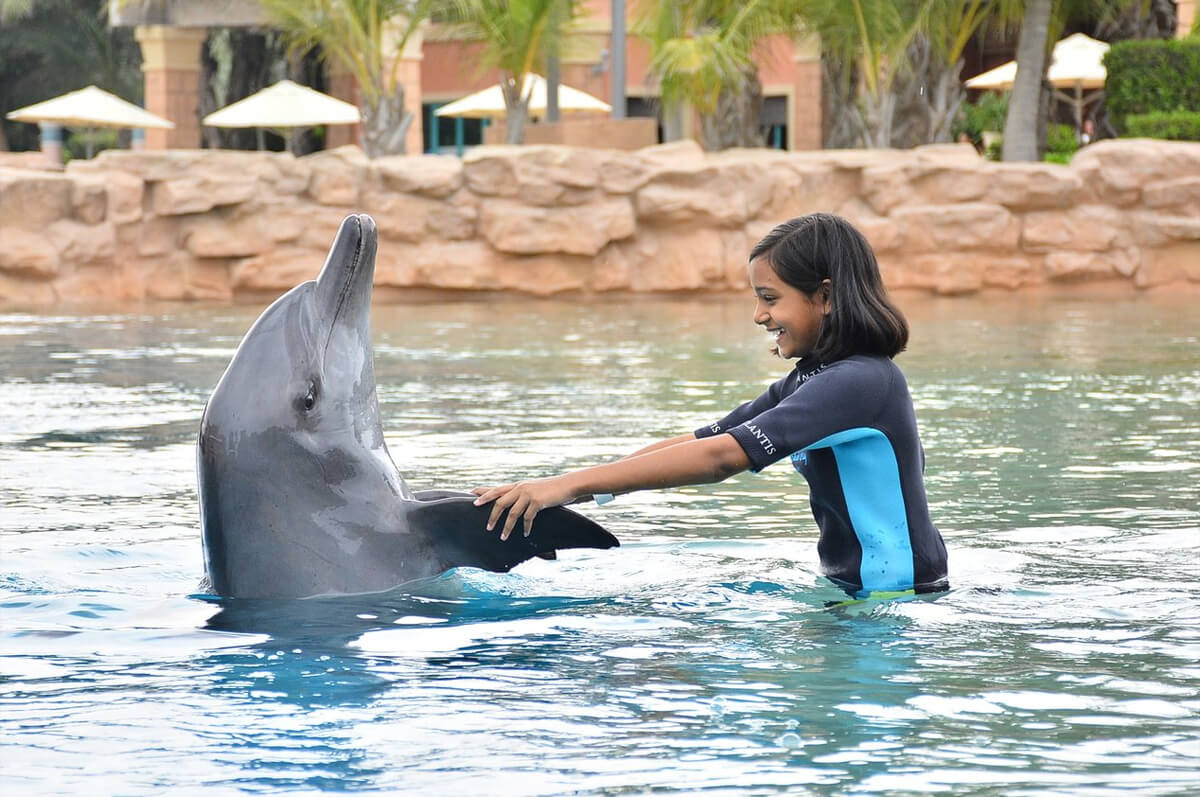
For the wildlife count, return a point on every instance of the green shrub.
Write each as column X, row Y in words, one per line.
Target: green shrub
column 986, row 113
column 1173, row 125
column 1061, row 138
column 76, row 143
column 1151, row 75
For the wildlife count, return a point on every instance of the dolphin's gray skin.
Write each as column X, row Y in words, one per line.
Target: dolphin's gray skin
column 298, row 494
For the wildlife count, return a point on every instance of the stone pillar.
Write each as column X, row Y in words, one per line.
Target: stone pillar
column 52, row 143
column 806, row 108
column 172, row 71
column 1185, row 14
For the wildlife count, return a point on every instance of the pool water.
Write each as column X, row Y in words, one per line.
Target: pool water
column 706, row 654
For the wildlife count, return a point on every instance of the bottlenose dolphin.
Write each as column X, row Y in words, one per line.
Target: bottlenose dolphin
column 298, row 493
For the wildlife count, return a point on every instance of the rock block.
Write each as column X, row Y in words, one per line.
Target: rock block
column 83, row 243
column 276, row 270
column 580, row 230
column 1094, row 228
column 187, row 195
column 1182, row 194
column 30, row 199
column 436, row 176
column 28, row 254
column 725, row 194
column 224, row 236
column 125, row 197
column 969, row 225
column 1172, row 264
column 89, row 199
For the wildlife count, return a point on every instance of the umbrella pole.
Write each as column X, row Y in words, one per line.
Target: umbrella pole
column 261, row 141
column 91, row 134
column 1078, row 108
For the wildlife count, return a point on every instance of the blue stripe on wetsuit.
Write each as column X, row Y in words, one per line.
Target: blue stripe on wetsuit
column 870, row 478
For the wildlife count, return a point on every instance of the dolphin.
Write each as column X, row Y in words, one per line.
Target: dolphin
column 298, row 494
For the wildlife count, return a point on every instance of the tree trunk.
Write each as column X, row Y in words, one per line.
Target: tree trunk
column 877, row 114
column 516, row 107
column 735, row 122
column 840, row 122
column 672, row 121
column 1020, row 125
column 385, row 125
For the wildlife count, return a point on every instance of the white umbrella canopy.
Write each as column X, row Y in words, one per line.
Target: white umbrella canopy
column 89, row 107
column 285, row 104
column 489, row 103
column 1077, row 62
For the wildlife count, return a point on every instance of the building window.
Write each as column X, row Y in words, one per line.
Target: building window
column 445, row 134
column 774, row 122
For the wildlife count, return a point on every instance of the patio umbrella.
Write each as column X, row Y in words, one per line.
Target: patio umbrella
column 90, row 107
column 489, row 103
column 284, row 105
column 1076, row 64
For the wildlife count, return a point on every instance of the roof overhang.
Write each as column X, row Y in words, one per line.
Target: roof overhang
column 187, row 13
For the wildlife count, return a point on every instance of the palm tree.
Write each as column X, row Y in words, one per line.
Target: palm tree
column 949, row 26
column 702, row 54
column 517, row 37
column 869, row 41
column 366, row 37
column 1021, row 123
column 1042, row 24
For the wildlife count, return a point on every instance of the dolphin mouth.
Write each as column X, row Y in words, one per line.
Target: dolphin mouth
column 343, row 288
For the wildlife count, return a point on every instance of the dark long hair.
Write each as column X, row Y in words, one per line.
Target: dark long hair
column 806, row 251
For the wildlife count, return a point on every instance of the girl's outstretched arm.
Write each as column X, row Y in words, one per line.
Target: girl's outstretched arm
column 690, row 461
column 670, row 441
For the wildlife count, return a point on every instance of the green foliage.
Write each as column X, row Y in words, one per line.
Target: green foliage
column 363, row 36
column 1061, row 143
column 700, row 48
column 1061, row 138
column 517, row 34
column 1152, row 75
column 49, row 47
column 102, row 138
column 1173, row 125
column 986, row 113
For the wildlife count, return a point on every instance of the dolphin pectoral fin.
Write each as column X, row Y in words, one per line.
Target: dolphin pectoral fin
column 456, row 529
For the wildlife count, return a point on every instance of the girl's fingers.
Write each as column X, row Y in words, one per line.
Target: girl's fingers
column 530, row 514
column 515, row 511
column 498, row 508
column 487, row 494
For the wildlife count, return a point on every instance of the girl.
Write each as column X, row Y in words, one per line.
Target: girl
column 843, row 415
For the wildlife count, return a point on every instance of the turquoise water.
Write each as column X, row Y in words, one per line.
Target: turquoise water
column 1063, row 445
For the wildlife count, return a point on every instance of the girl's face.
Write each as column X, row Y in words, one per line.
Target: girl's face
column 789, row 314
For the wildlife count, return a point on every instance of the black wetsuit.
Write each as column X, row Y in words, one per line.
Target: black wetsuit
column 850, row 429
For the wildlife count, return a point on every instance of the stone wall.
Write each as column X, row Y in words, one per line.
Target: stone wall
column 219, row 225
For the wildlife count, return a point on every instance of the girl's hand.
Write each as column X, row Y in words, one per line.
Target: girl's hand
column 523, row 500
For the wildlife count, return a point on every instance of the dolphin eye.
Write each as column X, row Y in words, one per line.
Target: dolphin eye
column 310, row 398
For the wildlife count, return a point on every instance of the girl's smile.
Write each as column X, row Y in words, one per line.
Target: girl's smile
column 789, row 315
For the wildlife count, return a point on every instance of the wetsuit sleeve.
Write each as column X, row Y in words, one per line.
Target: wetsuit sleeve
column 842, row 402
column 771, row 397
